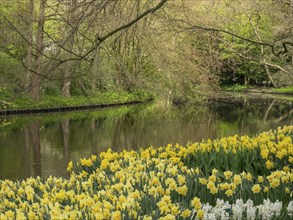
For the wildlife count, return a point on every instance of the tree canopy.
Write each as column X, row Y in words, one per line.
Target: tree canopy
column 180, row 48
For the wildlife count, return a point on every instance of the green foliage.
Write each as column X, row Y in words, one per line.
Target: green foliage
column 241, row 57
column 10, row 71
column 143, row 95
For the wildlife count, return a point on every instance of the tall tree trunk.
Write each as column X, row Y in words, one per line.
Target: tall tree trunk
column 96, row 77
column 245, row 80
column 36, row 79
column 30, row 20
column 267, row 69
column 70, row 37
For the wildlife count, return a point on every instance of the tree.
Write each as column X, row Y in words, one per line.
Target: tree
column 250, row 33
column 186, row 48
column 29, row 59
column 70, row 34
column 50, row 51
column 38, row 64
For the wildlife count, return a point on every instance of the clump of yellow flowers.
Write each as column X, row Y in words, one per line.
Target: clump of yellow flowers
column 235, row 177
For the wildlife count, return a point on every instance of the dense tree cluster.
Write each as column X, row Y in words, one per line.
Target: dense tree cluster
column 175, row 48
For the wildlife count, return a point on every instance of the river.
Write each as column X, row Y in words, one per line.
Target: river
column 42, row 145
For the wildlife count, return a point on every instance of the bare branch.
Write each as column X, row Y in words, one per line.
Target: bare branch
column 194, row 27
column 275, row 66
column 99, row 39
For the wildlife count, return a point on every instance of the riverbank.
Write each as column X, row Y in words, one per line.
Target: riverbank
column 265, row 90
column 25, row 105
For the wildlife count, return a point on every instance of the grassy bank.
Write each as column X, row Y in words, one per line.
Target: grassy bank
column 47, row 101
column 288, row 90
column 284, row 90
column 235, row 177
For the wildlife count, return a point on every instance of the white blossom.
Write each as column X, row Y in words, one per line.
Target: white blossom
column 290, row 208
column 250, row 212
column 240, row 210
column 210, row 216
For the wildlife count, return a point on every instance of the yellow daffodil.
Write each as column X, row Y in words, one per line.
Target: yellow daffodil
column 195, row 203
column 182, row 190
column 186, row 213
column 256, row 188
column 200, row 214
column 229, row 192
column 228, row 174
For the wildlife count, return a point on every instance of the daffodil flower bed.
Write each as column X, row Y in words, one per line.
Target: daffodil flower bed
column 229, row 178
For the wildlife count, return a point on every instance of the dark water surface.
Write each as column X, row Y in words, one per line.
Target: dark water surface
column 42, row 145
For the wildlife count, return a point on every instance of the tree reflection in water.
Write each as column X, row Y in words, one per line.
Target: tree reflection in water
column 46, row 145
column 32, row 143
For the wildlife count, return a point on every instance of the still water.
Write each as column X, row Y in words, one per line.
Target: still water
column 42, row 145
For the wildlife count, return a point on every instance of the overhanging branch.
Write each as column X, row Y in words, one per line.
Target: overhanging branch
column 229, row 33
column 272, row 46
